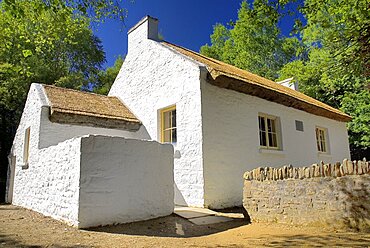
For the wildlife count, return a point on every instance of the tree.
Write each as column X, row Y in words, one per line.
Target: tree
column 106, row 78
column 254, row 42
column 335, row 67
column 46, row 45
column 97, row 10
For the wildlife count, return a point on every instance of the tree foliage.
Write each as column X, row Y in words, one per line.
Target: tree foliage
column 96, row 10
column 254, row 42
column 335, row 65
column 106, row 78
column 44, row 45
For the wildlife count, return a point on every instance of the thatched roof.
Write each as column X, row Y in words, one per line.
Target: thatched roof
column 84, row 108
column 231, row 77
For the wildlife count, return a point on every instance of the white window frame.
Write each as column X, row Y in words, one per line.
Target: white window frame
column 322, row 140
column 277, row 132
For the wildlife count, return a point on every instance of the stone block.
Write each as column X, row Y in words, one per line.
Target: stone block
column 307, row 172
column 345, row 167
column 350, row 168
column 359, row 167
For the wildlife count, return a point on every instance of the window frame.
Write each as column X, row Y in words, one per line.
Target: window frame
column 319, row 141
column 276, row 120
column 162, row 124
column 26, row 145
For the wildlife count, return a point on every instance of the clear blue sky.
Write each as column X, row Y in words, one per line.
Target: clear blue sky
column 185, row 23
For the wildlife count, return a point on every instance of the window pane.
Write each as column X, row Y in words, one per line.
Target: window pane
column 263, row 138
column 273, row 128
column 261, row 121
column 166, row 120
column 173, row 113
column 269, row 124
column 167, row 136
column 272, row 140
column 174, row 136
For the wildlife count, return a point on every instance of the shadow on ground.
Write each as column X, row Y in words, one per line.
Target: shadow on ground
column 170, row 226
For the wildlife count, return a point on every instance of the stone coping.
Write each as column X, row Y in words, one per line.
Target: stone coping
column 337, row 169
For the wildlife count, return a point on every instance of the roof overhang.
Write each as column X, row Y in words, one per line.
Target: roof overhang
column 63, row 116
column 231, row 82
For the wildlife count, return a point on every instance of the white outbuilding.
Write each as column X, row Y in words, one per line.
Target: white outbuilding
column 177, row 127
column 81, row 158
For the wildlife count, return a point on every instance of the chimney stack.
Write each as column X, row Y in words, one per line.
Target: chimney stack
column 146, row 28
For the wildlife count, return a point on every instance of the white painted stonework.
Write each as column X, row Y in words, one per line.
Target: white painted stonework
column 124, row 180
column 153, row 77
column 217, row 129
column 91, row 176
column 231, row 141
column 88, row 180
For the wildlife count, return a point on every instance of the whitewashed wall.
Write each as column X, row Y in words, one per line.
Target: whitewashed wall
column 124, row 180
column 153, row 77
column 72, row 179
column 52, row 133
column 50, row 183
column 231, row 141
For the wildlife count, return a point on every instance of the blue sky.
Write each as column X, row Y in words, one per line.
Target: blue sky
column 185, row 23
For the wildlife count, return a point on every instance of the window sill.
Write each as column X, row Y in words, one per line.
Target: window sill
column 323, row 154
column 271, row 151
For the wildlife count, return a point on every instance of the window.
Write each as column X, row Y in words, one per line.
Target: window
column 168, row 125
column 26, row 145
column 322, row 144
column 268, row 131
column 299, row 125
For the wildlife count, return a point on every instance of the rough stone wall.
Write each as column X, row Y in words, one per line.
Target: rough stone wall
column 334, row 194
column 50, row 183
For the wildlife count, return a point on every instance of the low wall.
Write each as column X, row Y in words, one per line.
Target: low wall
column 124, row 180
column 333, row 194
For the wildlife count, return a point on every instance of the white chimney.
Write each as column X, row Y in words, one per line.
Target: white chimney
column 146, row 28
column 289, row 83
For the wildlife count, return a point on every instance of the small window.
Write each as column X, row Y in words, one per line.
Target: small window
column 269, row 132
column 321, row 139
column 168, row 125
column 26, row 146
column 299, row 125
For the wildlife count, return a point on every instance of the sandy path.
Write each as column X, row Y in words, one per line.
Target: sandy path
column 24, row 228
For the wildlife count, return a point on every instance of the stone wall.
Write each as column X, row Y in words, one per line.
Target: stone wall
column 154, row 77
column 330, row 194
column 124, row 180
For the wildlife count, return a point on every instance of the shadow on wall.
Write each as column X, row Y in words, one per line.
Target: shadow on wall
column 358, row 203
column 179, row 198
column 170, row 226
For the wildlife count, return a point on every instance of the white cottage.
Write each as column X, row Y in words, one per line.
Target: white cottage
column 220, row 120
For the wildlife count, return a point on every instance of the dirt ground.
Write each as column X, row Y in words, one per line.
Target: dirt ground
column 24, row 228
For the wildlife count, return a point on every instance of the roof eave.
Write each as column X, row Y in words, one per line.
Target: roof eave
column 64, row 117
column 229, row 82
